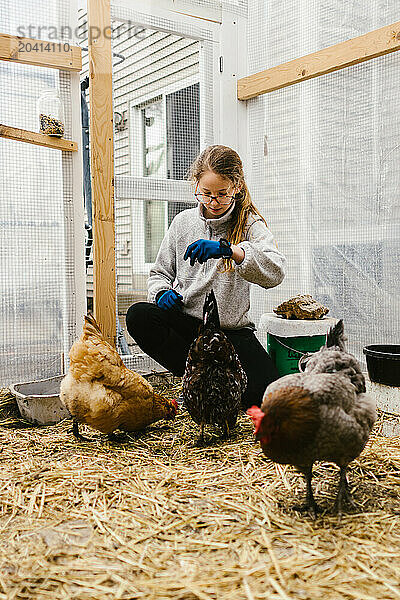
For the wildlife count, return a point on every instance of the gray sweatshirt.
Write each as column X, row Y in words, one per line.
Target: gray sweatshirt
column 263, row 265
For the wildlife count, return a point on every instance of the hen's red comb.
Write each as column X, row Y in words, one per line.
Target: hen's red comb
column 256, row 415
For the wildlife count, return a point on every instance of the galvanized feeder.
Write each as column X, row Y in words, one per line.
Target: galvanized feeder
column 39, row 401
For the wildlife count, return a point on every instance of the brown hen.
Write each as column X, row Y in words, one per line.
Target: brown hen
column 102, row 392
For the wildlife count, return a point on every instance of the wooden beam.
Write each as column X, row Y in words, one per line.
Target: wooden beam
column 365, row 47
column 39, row 139
column 179, row 12
column 102, row 167
column 41, row 53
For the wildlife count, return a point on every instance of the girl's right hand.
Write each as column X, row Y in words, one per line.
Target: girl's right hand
column 202, row 250
column 169, row 299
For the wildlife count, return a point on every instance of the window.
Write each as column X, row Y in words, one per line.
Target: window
column 153, row 146
column 153, row 164
column 166, row 140
column 183, row 130
column 183, row 137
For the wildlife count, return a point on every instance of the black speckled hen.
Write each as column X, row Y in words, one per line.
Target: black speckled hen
column 214, row 380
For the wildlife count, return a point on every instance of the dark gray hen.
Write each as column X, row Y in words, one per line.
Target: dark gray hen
column 214, row 380
column 333, row 358
column 322, row 413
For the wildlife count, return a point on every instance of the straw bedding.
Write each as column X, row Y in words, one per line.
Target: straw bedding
column 156, row 517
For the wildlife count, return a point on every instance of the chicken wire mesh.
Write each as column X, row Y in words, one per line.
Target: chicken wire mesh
column 322, row 166
column 37, row 322
column 162, row 101
column 322, row 155
column 325, row 156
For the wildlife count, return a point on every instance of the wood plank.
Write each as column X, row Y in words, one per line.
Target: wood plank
column 39, row 139
column 57, row 55
column 365, row 47
column 102, row 169
column 179, row 12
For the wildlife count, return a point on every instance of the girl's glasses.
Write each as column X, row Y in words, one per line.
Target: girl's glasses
column 222, row 199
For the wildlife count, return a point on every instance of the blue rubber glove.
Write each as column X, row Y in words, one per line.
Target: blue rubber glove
column 169, row 299
column 202, row 250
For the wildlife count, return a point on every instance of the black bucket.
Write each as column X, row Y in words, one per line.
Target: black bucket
column 383, row 363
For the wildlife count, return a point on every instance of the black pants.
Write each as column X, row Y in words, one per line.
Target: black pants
column 166, row 335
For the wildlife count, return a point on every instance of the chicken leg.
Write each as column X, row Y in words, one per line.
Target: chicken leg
column 310, row 505
column 77, row 434
column 344, row 494
column 226, row 430
column 200, row 440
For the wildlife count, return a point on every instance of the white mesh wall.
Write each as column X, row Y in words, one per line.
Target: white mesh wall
column 325, row 156
column 163, row 114
column 322, row 161
column 37, row 269
column 163, row 87
column 237, row 7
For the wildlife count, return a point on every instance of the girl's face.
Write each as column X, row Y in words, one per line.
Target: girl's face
column 215, row 193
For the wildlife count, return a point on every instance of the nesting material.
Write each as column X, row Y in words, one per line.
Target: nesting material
column 156, row 517
column 301, row 307
column 9, row 412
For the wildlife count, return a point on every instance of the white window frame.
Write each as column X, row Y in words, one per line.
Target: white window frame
column 136, row 143
column 221, row 33
column 136, row 132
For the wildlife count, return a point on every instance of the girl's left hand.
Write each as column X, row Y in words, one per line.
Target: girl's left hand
column 202, row 250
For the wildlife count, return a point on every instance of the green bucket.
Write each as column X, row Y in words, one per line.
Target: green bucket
column 287, row 351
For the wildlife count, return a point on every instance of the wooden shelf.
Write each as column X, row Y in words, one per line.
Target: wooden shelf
column 39, row 139
column 41, row 53
column 365, row 47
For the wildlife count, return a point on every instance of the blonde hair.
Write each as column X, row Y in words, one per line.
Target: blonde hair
column 225, row 162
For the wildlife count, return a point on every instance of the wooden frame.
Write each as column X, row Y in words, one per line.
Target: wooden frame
column 102, row 168
column 365, row 47
column 42, row 53
column 57, row 56
column 64, row 58
column 76, row 294
column 230, row 61
column 39, row 139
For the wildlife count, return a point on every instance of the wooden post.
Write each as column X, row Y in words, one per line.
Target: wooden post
column 102, row 166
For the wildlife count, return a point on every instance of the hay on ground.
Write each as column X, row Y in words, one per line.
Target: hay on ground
column 157, row 517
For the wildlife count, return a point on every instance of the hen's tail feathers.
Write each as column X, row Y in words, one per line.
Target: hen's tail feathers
column 210, row 312
column 91, row 328
column 336, row 336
